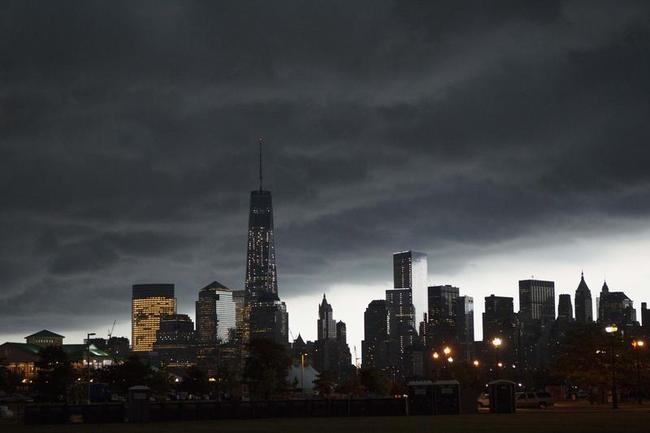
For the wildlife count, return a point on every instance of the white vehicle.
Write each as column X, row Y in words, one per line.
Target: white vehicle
column 483, row 400
column 5, row 412
column 540, row 399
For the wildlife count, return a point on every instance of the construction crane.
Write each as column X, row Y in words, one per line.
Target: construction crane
column 110, row 331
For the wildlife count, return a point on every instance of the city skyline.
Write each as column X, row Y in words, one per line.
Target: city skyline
column 502, row 143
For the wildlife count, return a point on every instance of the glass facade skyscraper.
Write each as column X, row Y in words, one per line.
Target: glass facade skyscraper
column 267, row 315
column 215, row 314
column 410, row 270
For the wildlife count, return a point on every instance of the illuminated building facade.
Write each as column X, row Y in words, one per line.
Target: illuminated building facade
column 45, row 338
column 410, row 269
column 268, row 318
column 176, row 340
column 148, row 304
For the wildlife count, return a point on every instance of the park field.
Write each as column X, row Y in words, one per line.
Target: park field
column 551, row 421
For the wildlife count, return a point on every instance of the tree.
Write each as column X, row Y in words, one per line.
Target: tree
column 325, row 383
column 266, row 368
column 54, row 375
column 374, row 381
column 9, row 380
column 195, row 382
column 583, row 358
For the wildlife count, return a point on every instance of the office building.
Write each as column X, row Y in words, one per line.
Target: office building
column 564, row 308
column 537, row 301
column 215, row 314
column 645, row 317
column 326, row 323
column 441, row 326
column 375, row 335
column 615, row 308
column 410, row 269
column 499, row 321
column 176, row 340
column 268, row 318
column 330, row 351
column 464, row 326
column 583, row 303
column 149, row 303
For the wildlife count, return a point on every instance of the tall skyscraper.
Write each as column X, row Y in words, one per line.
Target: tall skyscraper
column 375, row 334
column 441, row 328
column 464, row 325
column 268, row 318
column 149, row 303
column 326, row 323
column 537, row 301
column 498, row 318
column 399, row 303
column 583, row 303
column 441, row 301
column 331, row 351
column 645, row 316
column 215, row 314
column 410, row 270
column 564, row 308
column 615, row 307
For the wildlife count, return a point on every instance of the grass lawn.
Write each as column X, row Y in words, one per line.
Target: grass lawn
column 524, row 422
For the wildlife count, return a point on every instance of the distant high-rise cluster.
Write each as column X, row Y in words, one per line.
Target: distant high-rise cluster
column 522, row 338
column 226, row 319
column 394, row 340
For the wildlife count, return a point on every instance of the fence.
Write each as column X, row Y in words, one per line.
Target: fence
column 189, row 410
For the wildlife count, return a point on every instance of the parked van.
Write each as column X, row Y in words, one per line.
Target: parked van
column 540, row 399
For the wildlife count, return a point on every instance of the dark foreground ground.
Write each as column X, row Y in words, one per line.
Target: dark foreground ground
column 555, row 420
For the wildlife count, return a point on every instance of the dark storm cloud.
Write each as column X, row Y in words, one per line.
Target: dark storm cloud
column 128, row 131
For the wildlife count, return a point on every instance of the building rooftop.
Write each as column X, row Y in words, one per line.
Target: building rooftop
column 45, row 333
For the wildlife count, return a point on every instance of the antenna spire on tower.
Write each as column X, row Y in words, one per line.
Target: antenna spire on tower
column 260, row 141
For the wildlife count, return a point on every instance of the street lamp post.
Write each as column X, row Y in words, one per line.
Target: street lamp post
column 435, row 357
column 496, row 342
column 638, row 345
column 611, row 329
column 90, row 334
column 302, row 372
column 476, row 364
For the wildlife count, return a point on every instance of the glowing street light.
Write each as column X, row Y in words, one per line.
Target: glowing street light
column 496, row 342
column 638, row 345
column 446, row 350
column 476, row 363
column 90, row 334
column 611, row 330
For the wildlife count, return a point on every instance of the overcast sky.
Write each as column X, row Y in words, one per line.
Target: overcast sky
column 503, row 141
